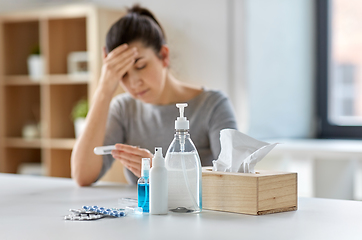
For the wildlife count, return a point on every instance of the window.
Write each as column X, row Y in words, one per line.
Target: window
column 339, row 68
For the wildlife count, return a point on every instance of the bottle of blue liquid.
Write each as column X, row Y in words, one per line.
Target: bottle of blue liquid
column 144, row 186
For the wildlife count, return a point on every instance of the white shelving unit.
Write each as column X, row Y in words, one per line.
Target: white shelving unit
column 58, row 30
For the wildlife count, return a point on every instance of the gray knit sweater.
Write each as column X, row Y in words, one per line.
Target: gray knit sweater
column 133, row 122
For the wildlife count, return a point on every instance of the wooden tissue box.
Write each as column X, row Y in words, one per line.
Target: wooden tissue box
column 257, row 193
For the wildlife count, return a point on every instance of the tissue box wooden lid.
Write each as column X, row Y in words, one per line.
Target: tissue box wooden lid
column 260, row 193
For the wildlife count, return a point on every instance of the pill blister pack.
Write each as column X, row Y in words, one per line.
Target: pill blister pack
column 94, row 213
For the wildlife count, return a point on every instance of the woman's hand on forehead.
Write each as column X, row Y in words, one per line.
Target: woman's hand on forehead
column 115, row 66
column 119, row 50
column 121, row 54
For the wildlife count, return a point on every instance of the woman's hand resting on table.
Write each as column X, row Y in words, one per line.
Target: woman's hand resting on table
column 131, row 157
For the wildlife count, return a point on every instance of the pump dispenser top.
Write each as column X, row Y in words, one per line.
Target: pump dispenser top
column 182, row 122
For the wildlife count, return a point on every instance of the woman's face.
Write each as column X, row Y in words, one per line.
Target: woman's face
column 145, row 80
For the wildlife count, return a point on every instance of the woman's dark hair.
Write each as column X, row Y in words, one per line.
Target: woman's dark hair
column 139, row 24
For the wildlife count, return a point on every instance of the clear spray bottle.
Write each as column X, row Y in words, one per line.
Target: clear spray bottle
column 184, row 169
column 143, row 186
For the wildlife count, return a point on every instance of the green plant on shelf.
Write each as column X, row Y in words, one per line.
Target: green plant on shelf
column 35, row 50
column 80, row 109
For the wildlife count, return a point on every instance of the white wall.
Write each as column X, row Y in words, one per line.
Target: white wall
column 259, row 52
column 280, row 74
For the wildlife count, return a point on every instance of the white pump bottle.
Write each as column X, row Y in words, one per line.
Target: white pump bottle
column 158, row 184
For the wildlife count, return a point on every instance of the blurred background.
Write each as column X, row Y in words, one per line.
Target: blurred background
column 290, row 68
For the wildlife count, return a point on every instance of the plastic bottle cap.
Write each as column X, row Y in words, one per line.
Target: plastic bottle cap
column 182, row 122
column 158, row 159
column 145, row 167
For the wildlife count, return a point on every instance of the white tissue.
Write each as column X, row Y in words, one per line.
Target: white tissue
column 239, row 152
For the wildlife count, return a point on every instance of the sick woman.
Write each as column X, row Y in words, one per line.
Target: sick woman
column 137, row 57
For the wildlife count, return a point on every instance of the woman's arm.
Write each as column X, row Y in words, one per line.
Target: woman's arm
column 85, row 165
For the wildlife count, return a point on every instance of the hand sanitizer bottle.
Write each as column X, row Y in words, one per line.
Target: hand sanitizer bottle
column 158, row 184
column 143, row 185
column 184, row 169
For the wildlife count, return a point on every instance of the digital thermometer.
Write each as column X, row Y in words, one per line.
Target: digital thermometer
column 104, row 150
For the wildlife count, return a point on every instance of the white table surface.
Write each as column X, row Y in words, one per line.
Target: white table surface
column 330, row 148
column 34, row 207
